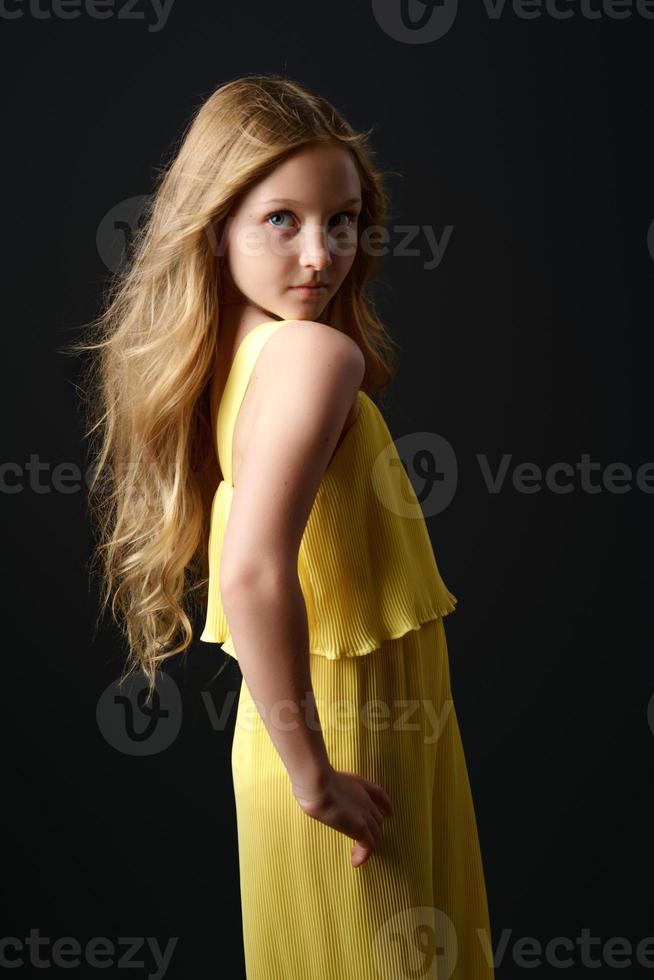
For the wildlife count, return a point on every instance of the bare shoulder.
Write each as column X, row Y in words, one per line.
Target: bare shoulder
column 307, row 376
column 316, row 350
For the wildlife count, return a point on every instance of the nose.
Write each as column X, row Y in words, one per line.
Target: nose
column 315, row 248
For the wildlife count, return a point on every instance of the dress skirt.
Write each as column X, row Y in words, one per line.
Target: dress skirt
column 418, row 906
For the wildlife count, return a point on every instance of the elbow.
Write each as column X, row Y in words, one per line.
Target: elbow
column 254, row 578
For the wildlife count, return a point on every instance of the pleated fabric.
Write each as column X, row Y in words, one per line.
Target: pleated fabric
column 375, row 605
column 418, row 906
column 366, row 565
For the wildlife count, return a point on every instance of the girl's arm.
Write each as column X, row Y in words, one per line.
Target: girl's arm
column 308, row 375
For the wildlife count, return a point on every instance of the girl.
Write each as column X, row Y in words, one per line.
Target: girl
column 244, row 472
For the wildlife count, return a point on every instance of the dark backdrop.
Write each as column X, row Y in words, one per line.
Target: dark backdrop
column 524, row 143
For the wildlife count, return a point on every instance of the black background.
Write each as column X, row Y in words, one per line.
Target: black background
column 532, row 138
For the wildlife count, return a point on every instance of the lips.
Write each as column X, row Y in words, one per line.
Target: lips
column 309, row 292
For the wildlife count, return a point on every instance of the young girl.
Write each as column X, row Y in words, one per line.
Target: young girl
column 245, row 472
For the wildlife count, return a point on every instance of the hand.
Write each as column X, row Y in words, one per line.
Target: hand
column 350, row 804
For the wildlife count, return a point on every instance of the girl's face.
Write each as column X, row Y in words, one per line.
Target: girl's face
column 297, row 225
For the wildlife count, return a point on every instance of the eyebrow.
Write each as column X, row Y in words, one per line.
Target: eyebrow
column 290, row 200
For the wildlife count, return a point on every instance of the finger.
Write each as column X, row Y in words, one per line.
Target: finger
column 360, row 855
column 376, row 813
column 384, row 800
column 380, row 796
column 359, row 832
column 378, row 793
column 374, row 828
column 367, row 832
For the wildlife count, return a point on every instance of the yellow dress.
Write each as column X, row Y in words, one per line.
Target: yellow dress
column 379, row 667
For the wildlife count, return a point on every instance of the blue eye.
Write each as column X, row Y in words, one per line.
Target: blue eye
column 276, row 214
column 347, row 214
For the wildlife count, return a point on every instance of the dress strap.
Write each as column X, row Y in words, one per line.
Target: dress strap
column 238, row 381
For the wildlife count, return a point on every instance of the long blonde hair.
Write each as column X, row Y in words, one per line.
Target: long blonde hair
column 146, row 390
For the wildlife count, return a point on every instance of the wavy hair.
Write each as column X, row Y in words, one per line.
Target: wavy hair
column 146, row 387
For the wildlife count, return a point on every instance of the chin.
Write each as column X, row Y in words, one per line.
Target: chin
column 308, row 309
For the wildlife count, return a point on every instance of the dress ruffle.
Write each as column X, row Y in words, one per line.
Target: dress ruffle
column 366, row 565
